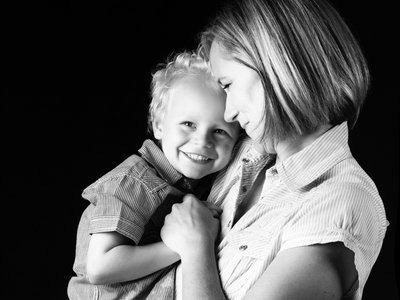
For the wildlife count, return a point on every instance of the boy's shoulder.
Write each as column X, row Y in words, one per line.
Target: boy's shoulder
column 135, row 167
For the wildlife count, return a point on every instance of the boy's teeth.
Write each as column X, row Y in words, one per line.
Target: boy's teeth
column 196, row 157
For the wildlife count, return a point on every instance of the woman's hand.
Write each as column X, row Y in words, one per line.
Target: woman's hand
column 191, row 225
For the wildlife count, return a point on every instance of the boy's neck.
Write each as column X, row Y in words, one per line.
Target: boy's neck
column 193, row 182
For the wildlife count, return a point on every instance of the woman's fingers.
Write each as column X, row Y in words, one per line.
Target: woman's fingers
column 190, row 225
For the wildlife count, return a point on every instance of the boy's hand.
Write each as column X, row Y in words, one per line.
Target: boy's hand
column 215, row 210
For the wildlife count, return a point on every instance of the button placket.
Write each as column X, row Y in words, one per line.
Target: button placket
column 246, row 173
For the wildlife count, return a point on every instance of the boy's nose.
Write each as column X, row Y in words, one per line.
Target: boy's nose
column 203, row 138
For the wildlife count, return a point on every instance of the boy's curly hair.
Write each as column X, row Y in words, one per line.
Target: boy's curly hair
column 179, row 66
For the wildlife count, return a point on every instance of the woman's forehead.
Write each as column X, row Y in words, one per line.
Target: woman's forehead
column 219, row 57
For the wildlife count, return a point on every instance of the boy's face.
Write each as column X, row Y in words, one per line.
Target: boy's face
column 194, row 135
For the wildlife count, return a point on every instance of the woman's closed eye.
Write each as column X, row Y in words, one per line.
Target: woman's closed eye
column 226, row 86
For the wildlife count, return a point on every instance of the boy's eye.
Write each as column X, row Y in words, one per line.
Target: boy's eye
column 188, row 124
column 221, row 131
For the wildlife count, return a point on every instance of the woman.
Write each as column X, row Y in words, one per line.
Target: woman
column 301, row 219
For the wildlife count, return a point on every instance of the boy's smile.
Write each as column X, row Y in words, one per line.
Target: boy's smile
column 194, row 135
column 197, row 158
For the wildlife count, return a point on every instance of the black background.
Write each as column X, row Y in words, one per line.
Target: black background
column 76, row 82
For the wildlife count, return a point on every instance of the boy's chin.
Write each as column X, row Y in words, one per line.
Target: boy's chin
column 195, row 175
column 191, row 176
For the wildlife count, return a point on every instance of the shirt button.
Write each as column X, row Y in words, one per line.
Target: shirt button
column 243, row 247
column 244, row 189
column 229, row 223
column 245, row 160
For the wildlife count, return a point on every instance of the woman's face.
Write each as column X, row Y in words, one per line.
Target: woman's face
column 245, row 101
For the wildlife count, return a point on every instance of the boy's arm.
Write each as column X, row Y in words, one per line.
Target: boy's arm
column 112, row 258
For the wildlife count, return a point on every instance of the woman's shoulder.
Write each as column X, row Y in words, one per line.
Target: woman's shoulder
column 347, row 196
column 349, row 182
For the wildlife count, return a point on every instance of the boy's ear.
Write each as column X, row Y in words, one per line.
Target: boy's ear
column 157, row 129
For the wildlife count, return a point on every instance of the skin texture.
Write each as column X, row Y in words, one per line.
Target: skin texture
column 113, row 258
column 244, row 92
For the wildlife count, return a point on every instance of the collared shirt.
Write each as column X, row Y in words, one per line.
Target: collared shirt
column 318, row 195
column 132, row 200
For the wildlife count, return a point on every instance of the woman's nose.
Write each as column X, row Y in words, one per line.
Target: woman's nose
column 231, row 112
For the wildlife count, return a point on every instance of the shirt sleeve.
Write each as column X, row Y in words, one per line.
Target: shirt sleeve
column 123, row 204
column 347, row 213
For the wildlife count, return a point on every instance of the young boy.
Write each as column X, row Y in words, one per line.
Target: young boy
column 118, row 238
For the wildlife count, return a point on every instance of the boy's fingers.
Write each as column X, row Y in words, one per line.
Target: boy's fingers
column 215, row 210
column 215, row 213
column 212, row 206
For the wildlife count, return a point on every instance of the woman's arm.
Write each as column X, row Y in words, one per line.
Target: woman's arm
column 112, row 259
column 312, row 272
column 190, row 230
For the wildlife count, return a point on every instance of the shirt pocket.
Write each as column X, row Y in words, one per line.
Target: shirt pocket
column 249, row 243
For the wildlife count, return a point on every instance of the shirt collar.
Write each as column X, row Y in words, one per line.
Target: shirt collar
column 305, row 166
column 252, row 155
column 155, row 156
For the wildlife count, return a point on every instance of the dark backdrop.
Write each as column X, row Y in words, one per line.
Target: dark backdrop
column 76, row 83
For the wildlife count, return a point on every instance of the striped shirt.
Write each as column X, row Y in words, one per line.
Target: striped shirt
column 318, row 195
column 132, row 200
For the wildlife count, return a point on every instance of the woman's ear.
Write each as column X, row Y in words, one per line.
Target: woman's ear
column 157, row 129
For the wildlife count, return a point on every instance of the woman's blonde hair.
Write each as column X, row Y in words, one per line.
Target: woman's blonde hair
column 311, row 66
column 179, row 66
